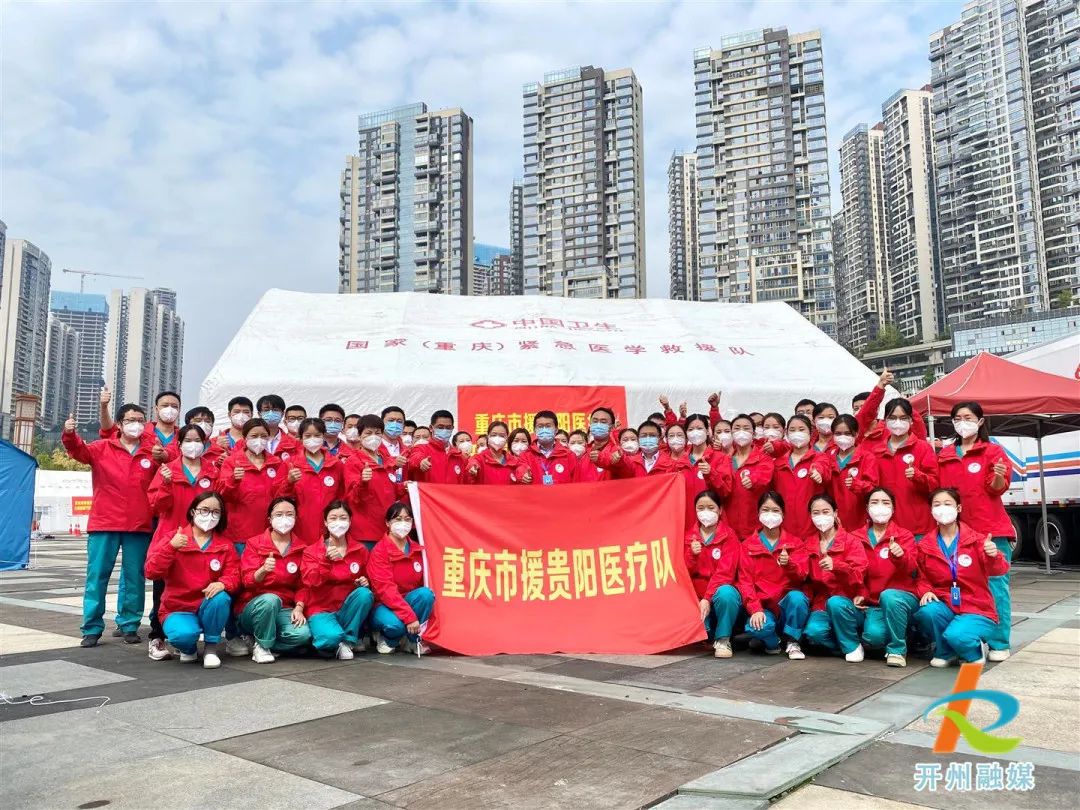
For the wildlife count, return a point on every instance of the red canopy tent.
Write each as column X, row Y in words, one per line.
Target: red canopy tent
column 1017, row 401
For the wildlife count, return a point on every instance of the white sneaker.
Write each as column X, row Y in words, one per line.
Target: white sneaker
column 941, row 663
column 344, row 652
column 237, row 647
column 794, row 651
column 261, row 655
column 382, row 646
column 189, row 658
column 158, row 650
column 895, row 660
column 722, row 648
column 856, row 655
column 993, row 655
column 211, row 661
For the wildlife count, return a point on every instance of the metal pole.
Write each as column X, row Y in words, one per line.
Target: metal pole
column 1042, row 488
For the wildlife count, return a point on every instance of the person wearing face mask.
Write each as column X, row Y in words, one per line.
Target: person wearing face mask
column 908, row 466
column 495, row 464
column 955, row 563
column 752, row 473
column 562, row 437
column 805, row 407
column 203, row 418
column 600, row 437
column 671, row 419
column 271, row 410
column 121, row 469
column 712, row 558
column 371, row 482
column 160, row 434
column 980, row 471
column 772, row 568
column 699, row 448
column 463, row 442
column 800, row 474
column 835, row 579
column 772, row 442
column 481, row 444
column 333, row 417
column 824, row 414
column 888, row 600
column 240, row 411
column 759, row 424
column 294, row 415
column 200, row 571
column 520, row 439
column 546, row 462
column 578, row 444
column 171, row 492
column 313, row 478
column 613, row 459
column 855, row 472
column 437, row 461
column 350, row 434
column 408, row 433
column 420, row 436
column 709, row 469
column 394, row 445
column 249, row 479
column 334, row 572
column 865, row 406
column 650, row 460
column 396, row 571
column 271, row 606
column 721, row 439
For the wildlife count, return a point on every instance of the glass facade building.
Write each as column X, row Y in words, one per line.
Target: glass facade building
column 683, row 227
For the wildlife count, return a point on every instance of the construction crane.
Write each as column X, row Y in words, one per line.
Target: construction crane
column 82, row 274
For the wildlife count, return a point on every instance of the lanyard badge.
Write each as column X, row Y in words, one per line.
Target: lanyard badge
column 951, row 555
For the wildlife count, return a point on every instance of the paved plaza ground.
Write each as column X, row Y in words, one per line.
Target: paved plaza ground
column 107, row 727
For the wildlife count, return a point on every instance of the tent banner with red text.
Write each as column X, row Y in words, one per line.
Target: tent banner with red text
column 516, row 405
column 578, row 568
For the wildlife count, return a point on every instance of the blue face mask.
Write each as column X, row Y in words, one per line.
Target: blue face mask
column 393, row 429
column 600, row 430
column 545, row 434
column 271, row 417
column 649, row 442
column 333, row 428
column 444, row 434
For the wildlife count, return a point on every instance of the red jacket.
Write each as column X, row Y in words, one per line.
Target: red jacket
column 912, row 497
column 119, row 480
column 671, row 419
column 620, row 469
column 313, row 492
column 284, row 580
column 288, row 446
column 589, row 470
column 716, row 564
column 561, row 465
column 717, row 479
column 883, row 570
column 391, row 453
column 634, row 467
column 370, row 499
column 188, row 570
column 329, row 582
column 213, row 454
column 797, row 487
column 871, row 429
column 169, row 502
column 393, row 573
column 762, row 581
column 447, row 466
column 248, row 499
column 849, row 567
column 972, row 476
column 973, row 569
column 741, row 507
column 860, row 468
column 490, row 470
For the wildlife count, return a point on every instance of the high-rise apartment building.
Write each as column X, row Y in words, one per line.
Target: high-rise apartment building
column 406, row 203
column 583, row 227
column 88, row 315
column 24, row 317
column 517, row 239
column 683, row 227
column 144, row 345
column 763, row 173
column 490, row 270
column 862, row 290
column 61, row 370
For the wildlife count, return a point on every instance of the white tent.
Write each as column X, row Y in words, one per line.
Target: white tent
column 1061, row 356
column 414, row 349
column 62, row 500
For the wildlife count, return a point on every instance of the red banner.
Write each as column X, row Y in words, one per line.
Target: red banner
column 80, row 505
column 480, row 405
column 580, row 568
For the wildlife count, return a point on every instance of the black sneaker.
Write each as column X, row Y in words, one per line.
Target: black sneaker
column 131, row 638
column 90, row 641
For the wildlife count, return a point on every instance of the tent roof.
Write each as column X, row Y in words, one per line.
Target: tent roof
column 1061, row 356
column 19, row 456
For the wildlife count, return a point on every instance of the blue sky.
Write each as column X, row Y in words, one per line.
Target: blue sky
column 199, row 144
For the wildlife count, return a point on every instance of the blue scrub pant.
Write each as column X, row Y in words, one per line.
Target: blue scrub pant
column 232, row 630
column 887, row 625
column 183, row 629
column 271, row 624
column 837, row 627
column 330, row 629
column 385, row 621
column 954, row 634
column 999, row 589
column 101, row 551
column 794, row 610
column 726, row 605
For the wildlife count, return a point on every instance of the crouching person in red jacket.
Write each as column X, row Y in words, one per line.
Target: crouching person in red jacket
column 712, row 556
column 333, row 571
column 955, row 565
column 200, row 569
column 396, row 571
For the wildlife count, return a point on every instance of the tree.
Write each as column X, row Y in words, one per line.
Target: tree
column 55, row 458
column 1064, row 299
column 928, row 378
column 888, row 337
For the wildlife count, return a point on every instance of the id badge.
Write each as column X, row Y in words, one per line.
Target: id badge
column 548, row 480
column 954, row 595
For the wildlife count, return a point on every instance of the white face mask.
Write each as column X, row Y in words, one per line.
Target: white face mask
column 192, row 450
column 401, row 528
column 351, row 434
column 799, row 438
column 879, row 512
column 676, row 443
column 284, row 524
column 337, row 528
column 465, row 448
column 844, row 441
column 256, row 445
column 372, row 442
column 770, row 520
column 407, row 439
column 823, row 522
column 577, row 449
column 707, row 517
column 418, row 442
column 898, row 427
column 945, row 514
column 630, row 447
column 742, row 437
column 496, row 442
column 965, row 429
column 293, row 425
column 313, row 444
column 517, row 448
column 824, row 425
column 206, row 522
column 773, row 433
column 134, row 430
column 725, row 439
column 759, row 432
column 239, row 419
column 207, row 428
column 696, row 436
column 168, row 414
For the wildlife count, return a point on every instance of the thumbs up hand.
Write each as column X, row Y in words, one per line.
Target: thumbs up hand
column 746, row 482
column 166, row 475
column 366, row 475
column 989, row 546
column 69, row 424
column 784, row 557
column 179, row 540
column 269, row 563
column 886, row 378
column 826, row 563
column 106, row 395
column 895, row 548
column 909, row 473
column 158, row 452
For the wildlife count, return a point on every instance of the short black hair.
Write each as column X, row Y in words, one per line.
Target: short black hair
column 396, row 508
column 276, row 501
column 300, row 408
column 223, row 523
column 187, row 429
column 336, row 504
column 355, row 416
column 392, row 409
column 545, row 415
column 271, row 401
column 862, row 396
column 648, row 423
column 163, row 394
column 821, row 496
column 251, row 424
column 655, row 415
column 821, row 407
column 442, row 413
column 697, row 417
column 126, row 408
column 331, row 407
column 802, row 402
column 580, row 433
column 370, row 420
column 560, row 431
column 604, row 409
column 198, row 410
column 240, row 401
column 311, row 421
column 410, row 423
column 774, row 496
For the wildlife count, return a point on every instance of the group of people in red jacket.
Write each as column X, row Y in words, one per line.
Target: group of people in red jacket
column 286, row 530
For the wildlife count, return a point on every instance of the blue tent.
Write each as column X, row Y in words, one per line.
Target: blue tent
column 17, row 471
